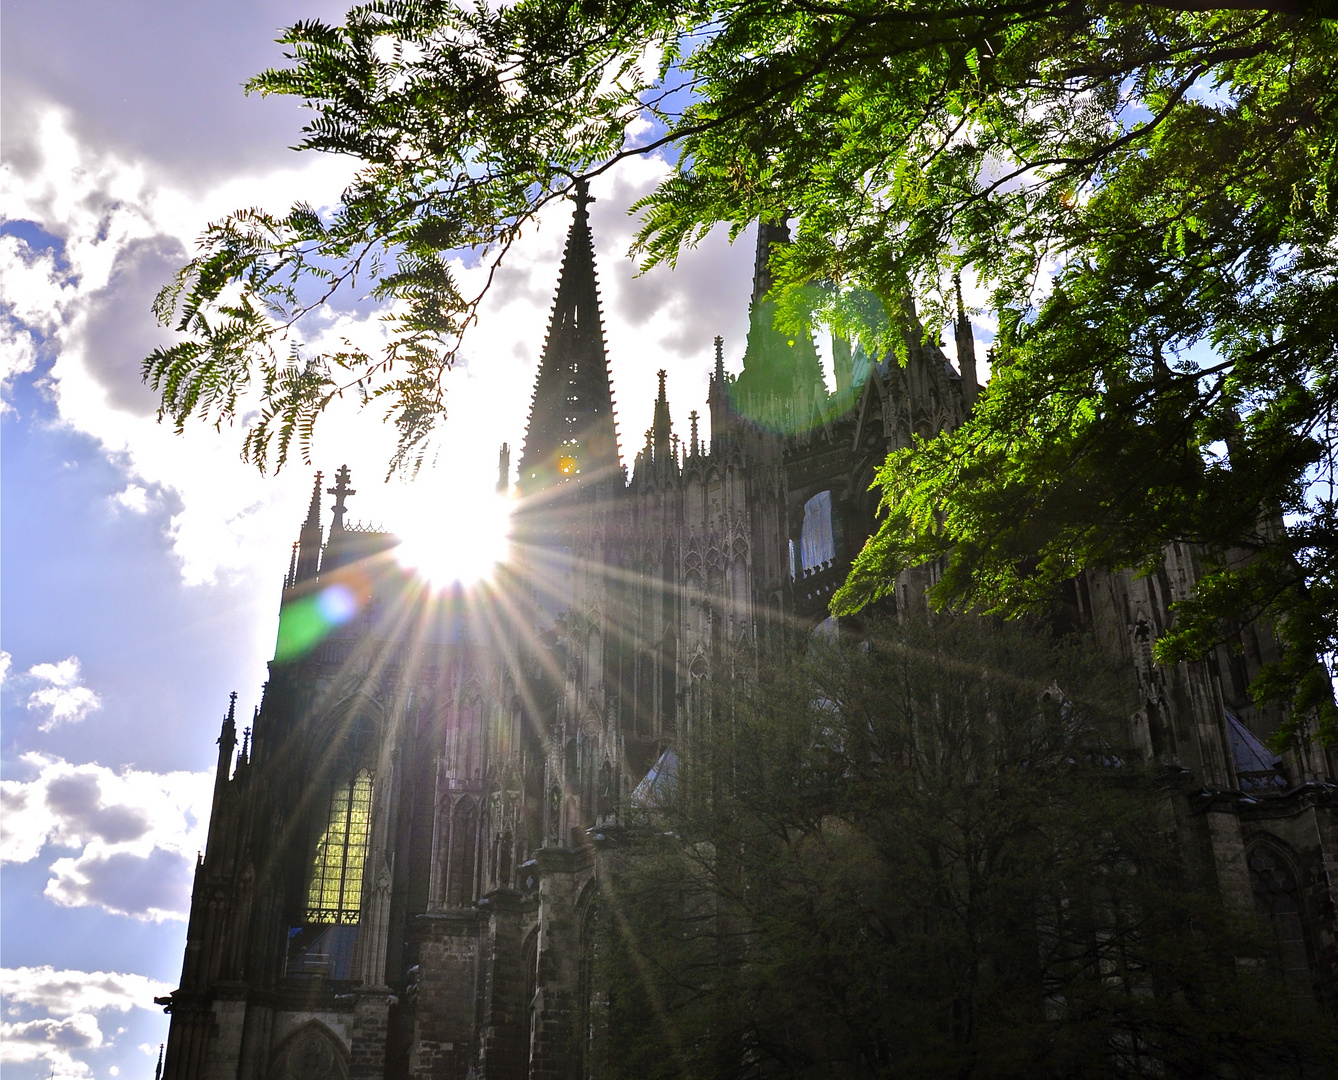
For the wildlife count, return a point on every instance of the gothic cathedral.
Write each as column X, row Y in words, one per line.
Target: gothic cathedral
column 405, row 852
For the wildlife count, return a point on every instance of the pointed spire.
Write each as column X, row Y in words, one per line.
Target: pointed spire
column 717, row 397
column 662, row 426
column 158, row 1072
column 291, row 579
column 695, row 444
column 571, row 432
column 314, row 510
column 227, row 739
column 774, row 365
column 843, row 363
column 309, row 539
column 966, row 349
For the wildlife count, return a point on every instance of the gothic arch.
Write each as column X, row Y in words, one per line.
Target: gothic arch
column 594, row 654
column 348, row 733
column 461, row 851
column 312, row 1052
column 590, row 1012
column 1280, row 907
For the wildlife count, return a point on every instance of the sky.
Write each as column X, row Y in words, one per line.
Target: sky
column 141, row 569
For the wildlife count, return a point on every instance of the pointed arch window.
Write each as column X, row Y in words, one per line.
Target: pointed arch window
column 1277, row 903
column 340, row 852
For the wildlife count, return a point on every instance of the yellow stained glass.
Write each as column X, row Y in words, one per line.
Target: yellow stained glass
column 335, row 894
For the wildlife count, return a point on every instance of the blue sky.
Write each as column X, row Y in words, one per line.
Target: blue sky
column 140, row 569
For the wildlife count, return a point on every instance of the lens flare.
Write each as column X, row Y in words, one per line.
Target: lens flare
column 461, row 539
column 304, row 622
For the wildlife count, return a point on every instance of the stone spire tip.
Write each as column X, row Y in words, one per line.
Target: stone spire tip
column 314, row 510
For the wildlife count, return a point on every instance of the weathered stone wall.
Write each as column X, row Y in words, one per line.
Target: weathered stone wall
column 443, row 1042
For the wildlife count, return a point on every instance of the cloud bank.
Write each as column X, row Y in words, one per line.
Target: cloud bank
column 135, row 834
column 68, row 1002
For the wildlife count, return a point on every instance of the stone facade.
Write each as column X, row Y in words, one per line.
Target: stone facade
column 404, row 860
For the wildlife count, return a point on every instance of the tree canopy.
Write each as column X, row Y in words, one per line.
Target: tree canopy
column 1144, row 191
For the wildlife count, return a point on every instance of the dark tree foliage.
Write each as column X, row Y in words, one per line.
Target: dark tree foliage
column 1144, row 190
column 931, row 855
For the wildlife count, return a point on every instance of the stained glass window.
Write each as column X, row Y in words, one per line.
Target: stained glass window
column 335, row 895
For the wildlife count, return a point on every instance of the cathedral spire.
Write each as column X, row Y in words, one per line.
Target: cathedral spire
column 571, row 433
column 314, row 508
column 718, row 397
column 663, row 426
column 966, row 349
column 227, row 739
column 776, row 369
column 769, row 234
column 309, row 540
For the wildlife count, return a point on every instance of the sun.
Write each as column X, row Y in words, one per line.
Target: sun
column 460, row 538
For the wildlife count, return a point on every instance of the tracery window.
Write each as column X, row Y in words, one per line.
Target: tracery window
column 340, row 852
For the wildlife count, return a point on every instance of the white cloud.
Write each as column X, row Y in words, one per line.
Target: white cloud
column 6, row 662
column 66, row 698
column 67, row 1003
column 134, row 498
column 51, row 1042
column 33, row 296
column 136, row 834
column 69, row 992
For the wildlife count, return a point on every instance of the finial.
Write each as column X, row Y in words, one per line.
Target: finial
column 504, row 469
column 158, row 1072
column 692, row 418
column 340, row 491
column 674, row 440
column 661, row 373
column 246, row 741
column 581, row 195
column 719, row 359
column 232, row 707
column 291, row 579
